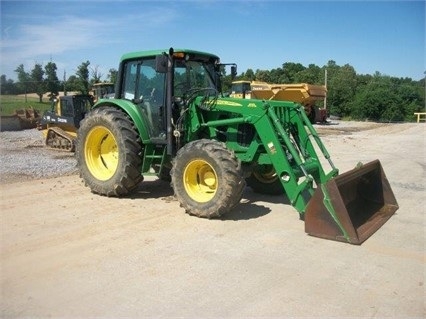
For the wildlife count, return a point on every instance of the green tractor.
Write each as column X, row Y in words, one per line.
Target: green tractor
column 170, row 118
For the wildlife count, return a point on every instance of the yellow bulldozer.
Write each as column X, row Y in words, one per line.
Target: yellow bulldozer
column 305, row 94
column 59, row 124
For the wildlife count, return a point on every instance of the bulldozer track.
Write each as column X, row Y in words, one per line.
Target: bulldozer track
column 58, row 139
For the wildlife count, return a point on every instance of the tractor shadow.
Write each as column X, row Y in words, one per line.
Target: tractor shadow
column 149, row 189
column 250, row 206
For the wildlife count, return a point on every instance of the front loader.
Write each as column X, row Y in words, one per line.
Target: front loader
column 169, row 118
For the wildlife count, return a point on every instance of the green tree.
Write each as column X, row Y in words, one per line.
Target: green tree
column 7, row 86
column 73, row 83
column 23, row 79
column 275, row 75
column 37, row 81
column 83, row 77
column 248, row 75
column 341, row 89
column 112, row 75
column 412, row 98
column 290, row 71
column 263, row 75
column 96, row 75
column 377, row 101
column 52, row 81
column 313, row 74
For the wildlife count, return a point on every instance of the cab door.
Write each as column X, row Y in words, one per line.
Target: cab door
column 146, row 89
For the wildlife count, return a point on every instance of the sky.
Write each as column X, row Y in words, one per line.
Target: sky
column 371, row 36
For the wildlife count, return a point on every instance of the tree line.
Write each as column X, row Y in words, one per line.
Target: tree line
column 350, row 95
column 41, row 80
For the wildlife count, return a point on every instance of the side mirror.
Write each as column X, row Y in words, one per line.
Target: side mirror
column 233, row 71
column 161, row 63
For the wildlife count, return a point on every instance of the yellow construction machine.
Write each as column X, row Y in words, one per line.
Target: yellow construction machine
column 59, row 125
column 102, row 90
column 302, row 93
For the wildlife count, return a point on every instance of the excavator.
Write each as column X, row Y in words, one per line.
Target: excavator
column 302, row 93
column 59, row 125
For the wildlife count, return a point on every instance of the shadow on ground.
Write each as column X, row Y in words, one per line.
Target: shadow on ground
column 248, row 208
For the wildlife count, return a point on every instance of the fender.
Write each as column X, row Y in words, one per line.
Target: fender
column 133, row 111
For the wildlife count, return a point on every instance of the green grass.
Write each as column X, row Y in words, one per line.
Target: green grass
column 10, row 103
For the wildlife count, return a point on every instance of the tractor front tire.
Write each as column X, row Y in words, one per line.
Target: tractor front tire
column 108, row 152
column 207, row 178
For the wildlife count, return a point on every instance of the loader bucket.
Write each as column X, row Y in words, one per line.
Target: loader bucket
column 351, row 206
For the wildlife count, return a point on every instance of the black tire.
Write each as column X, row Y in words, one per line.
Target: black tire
column 264, row 180
column 312, row 115
column 108, row 152
column 165, row 175
column 207, row 178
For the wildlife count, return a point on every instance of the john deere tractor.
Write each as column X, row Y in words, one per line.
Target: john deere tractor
column 169, row 118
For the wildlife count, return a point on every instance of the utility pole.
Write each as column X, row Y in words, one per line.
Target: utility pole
column 325, row 84
column 65, row 89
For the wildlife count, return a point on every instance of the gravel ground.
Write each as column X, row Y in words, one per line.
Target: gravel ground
column 23, row 156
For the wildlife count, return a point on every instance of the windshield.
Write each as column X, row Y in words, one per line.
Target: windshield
column 190, row 76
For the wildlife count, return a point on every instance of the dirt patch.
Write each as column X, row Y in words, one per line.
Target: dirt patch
column 66, row 252
column 347, row 127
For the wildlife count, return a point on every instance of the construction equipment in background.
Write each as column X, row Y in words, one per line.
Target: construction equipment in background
column 169, row 114
column 306, row 94
column 21, row 119
column 59, row 125
column 102, row 90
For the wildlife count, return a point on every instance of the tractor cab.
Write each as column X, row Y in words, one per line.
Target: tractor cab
column 69, row 109
column 240, row 89
column 144, row 82
column 103, row 90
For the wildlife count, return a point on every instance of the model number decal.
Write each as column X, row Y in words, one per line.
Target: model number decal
column 228, row 103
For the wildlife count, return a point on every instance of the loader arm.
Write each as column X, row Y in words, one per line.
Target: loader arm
column 283, row 137
column 348, row 207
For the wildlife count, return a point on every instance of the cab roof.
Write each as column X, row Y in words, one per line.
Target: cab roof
column 141, row 54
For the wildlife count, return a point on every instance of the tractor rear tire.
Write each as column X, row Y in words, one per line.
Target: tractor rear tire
column 108, row 152
column 264, row 180
column 207, row 178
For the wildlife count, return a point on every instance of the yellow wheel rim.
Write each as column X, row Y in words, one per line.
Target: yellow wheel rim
column 101, row 153
column 200, row 181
